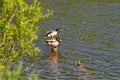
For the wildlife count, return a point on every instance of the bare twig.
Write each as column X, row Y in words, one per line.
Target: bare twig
column 3, row 40
column 11, row 18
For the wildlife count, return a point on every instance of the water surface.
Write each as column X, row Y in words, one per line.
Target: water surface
column 91, row 34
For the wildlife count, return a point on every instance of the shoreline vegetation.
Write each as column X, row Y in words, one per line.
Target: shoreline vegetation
column 17, row 32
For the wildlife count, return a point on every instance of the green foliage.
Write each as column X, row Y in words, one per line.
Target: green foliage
column 18, row 29
column 7, row 73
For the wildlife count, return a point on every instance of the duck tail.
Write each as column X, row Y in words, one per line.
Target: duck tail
column 45, row 37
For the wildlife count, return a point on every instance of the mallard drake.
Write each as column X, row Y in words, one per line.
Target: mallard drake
column 53, row 33
column 54, row 42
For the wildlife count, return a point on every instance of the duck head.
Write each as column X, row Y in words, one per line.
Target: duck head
column 58, row 39
column 59, row 29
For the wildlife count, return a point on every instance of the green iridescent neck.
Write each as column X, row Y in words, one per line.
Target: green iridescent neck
column 58, row 39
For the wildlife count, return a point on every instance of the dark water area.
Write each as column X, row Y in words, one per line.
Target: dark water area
column 91, row 34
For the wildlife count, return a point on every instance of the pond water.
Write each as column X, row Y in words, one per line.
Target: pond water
column 91, row 34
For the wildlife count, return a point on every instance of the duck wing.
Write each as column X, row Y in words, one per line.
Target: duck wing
column 51, row 40
column 49, row 32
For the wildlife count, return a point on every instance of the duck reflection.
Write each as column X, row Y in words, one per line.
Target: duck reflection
column 53, row 55
column 53, row 62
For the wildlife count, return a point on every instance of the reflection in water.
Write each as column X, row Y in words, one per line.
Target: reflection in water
column 53, row 64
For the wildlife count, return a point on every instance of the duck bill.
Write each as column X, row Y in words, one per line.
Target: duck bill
column 60, row 41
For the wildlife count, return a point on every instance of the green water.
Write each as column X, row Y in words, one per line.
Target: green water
column 91, row 34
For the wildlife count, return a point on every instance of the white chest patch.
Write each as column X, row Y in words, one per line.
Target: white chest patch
column 55, row 43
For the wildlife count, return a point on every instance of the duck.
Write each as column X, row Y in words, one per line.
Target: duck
column 53, row 33
column 54, row 42
column 79, row 64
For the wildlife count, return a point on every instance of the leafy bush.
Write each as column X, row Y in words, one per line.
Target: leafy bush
column 18, row 29
column 9, row 73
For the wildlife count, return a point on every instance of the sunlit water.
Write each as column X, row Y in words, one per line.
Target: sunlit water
column 91, row 33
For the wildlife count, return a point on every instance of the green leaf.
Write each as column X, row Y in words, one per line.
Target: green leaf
column 2, row 67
